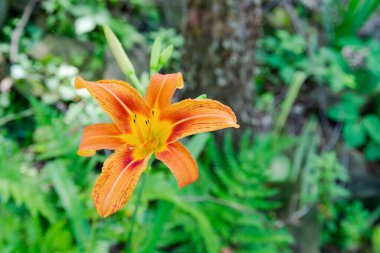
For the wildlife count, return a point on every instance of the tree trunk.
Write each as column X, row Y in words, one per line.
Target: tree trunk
column 219, row 52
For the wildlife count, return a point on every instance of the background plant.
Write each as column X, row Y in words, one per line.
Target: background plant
column 316, row 123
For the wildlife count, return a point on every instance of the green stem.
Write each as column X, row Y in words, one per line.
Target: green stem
column 298, row 79
column 374, row 216
column 134, row 217
column 122, row 59
column 15, row 116
column 92, row 233
column 138, row 203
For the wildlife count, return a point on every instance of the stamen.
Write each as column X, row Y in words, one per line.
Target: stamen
column 138, row 129
column 139, row 134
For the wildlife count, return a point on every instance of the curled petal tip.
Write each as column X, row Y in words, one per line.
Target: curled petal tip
column 236, row 126
column 86, row 153
column 183, row 184
column 103, row 213
column 180, row 162
column 102, row 210
column 79, row 83
column 180, row 81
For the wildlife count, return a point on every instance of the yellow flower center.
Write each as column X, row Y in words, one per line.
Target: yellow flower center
column 148, row 135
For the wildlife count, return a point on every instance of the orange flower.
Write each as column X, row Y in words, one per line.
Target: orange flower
column 143, row 126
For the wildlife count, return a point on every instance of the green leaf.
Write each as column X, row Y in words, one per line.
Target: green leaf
column 356, row 14
column 68, row 196
column 20, row 182
column 343, row 112
column 287, row 74
column 197, row 144
column 372, row 124
column 347, row 109
column 206, row 230
column 372, row 151
column 161, row 217
column 155, row 56
column 376, row 238
column 354, row 134
column 57, row 238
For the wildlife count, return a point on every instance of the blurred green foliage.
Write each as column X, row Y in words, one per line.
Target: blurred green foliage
column 251, row 193
column 346, row 63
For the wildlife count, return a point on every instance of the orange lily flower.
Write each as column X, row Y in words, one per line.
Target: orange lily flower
column 143, row 126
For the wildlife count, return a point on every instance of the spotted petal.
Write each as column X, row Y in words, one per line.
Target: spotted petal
column 192, row 116
column 120, row 174
column 119, row 99
column 161, row 89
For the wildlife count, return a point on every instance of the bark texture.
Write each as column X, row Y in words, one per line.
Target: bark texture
column 218, row 57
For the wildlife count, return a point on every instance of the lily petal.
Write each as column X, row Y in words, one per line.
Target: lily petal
column 119, row 99
column 115, row 185
column 100, row 136
column 180, row 162
column 192, row 116
column 161, row 89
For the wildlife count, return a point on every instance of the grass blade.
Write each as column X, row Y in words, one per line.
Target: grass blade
column 68, row 196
